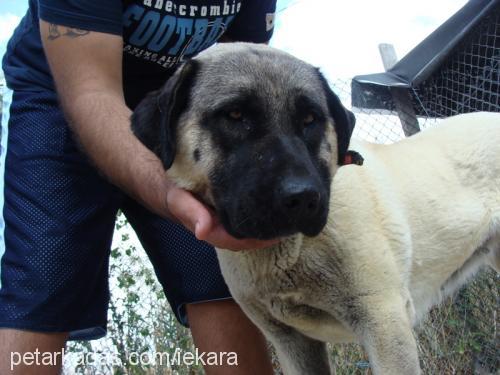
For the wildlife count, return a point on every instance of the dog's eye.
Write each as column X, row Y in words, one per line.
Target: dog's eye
column 309, row 119
column 235, row 114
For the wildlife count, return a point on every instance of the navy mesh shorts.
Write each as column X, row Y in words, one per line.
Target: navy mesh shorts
column 56, row 223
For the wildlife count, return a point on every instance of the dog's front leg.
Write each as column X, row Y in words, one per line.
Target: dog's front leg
column 387, row 336
column 298, row 354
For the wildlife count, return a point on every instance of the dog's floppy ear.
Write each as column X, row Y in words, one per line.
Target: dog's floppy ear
column 344, row 119
column 154, row 120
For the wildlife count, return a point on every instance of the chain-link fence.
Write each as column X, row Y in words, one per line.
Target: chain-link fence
column 469, row 80
column 461, row 335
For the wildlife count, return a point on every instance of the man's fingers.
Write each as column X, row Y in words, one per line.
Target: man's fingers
column 188, row 210
column 219, row 237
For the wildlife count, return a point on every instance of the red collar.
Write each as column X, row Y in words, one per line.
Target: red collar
column 353, row 157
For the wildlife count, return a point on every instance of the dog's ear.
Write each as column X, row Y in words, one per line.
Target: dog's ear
column 344, row 120
column 154, row 120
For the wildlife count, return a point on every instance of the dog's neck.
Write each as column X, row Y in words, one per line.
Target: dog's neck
column 279, row 257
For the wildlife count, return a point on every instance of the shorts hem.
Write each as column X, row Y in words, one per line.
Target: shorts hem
column 181, row 312
column 92, row 332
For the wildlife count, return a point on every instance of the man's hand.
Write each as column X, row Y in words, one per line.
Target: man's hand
column 203, row 223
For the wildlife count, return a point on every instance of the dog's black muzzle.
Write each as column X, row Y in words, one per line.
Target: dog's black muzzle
column 283, row 195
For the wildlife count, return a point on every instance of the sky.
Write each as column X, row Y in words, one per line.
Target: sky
column 343, row 37
column 11, row 12
column 339, row 37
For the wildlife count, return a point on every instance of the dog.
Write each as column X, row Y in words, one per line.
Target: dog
column 366, row 250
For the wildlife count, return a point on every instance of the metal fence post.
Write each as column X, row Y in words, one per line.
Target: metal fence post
column 400, row 96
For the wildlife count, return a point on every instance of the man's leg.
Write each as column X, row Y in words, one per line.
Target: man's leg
column 221, row 326
column 56, row 224
column 18, row 352
column 189, row 272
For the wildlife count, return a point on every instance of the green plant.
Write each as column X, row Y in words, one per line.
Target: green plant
column 143, row 333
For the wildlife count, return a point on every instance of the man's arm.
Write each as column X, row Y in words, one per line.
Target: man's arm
column 87, row 70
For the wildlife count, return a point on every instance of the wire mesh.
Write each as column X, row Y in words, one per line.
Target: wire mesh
column 461, row 335
column 469, row 80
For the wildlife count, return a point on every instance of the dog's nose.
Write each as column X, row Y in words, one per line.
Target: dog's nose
column 300, row 198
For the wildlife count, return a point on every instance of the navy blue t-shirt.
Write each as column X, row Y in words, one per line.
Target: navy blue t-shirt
column 157, row 35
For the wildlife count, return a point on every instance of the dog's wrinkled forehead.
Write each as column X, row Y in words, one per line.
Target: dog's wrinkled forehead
column 237, row 69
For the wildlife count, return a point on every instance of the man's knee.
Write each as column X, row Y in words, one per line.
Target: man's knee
column 26, row 352
column 219, row 318
column 221, row 326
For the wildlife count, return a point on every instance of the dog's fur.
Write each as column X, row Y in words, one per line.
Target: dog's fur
column 258, row 135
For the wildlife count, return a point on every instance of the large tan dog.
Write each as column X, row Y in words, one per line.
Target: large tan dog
column 258, row 135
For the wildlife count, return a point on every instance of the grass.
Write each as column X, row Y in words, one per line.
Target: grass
column 460, row 336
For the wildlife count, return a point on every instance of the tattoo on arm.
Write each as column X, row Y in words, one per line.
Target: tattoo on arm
column 56, row 31
column 53, row 32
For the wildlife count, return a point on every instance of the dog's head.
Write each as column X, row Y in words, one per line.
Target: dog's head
column 253, row 132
